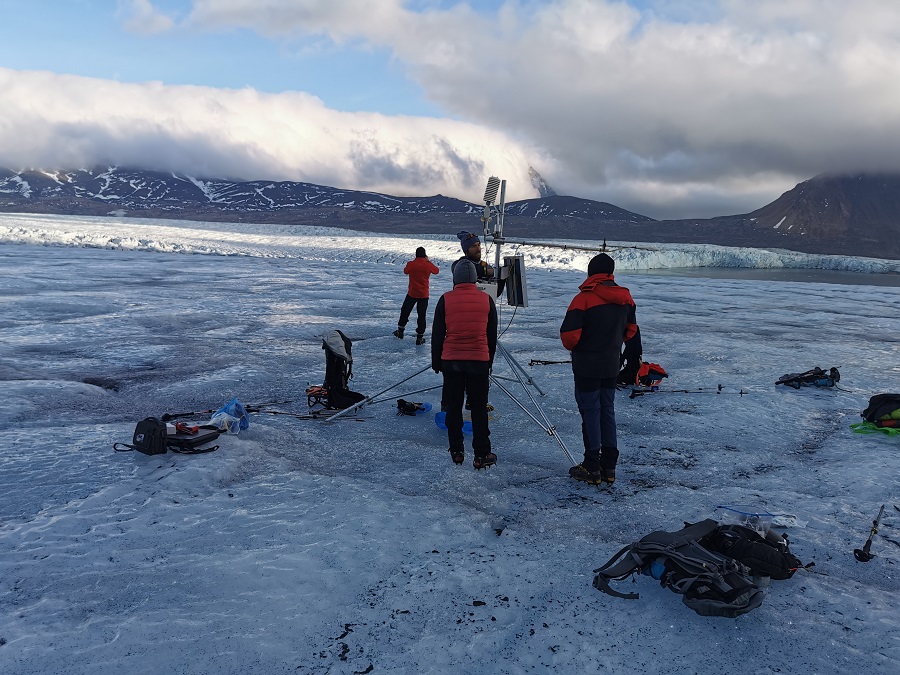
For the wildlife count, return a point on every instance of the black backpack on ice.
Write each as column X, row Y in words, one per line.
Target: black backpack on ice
column 767, row 556
column 710, row 583
column 339, row 371
column 149, row 438
column 817, row 377
column 882, row 410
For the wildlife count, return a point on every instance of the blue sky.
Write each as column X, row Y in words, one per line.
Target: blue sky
column 87, row 37
column 666, row 107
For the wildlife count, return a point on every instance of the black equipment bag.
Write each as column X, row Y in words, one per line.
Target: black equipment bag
column 149, row 438
column 411, row 408
column 189, row 444
column 817, row 377
column 880, row 408
column 339, row 371
column 709, row 583
column 767, row 556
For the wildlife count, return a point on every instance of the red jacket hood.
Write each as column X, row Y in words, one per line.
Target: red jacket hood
column 617, row 294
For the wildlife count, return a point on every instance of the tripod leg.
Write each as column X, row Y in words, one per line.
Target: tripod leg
column 517, row 369
column 549, row 428
column 374, row 396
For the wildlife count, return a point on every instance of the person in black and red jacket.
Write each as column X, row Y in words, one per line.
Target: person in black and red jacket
column 599, row 319
column 463, row 344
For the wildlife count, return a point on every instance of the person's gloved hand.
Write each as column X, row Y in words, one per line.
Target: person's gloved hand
column 436, row 367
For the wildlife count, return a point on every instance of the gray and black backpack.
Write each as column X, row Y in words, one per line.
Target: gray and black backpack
column 711, row 582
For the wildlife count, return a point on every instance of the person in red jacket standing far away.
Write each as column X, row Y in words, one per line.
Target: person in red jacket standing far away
column 599, row 319
column 463, row 343
column 419, row 270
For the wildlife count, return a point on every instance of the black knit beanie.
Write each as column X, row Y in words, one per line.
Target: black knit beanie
column 420, row 252
column 601, row 264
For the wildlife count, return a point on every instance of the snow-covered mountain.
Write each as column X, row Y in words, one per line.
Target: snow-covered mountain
column 101, row 191
column 137, row 189
column 849, row 215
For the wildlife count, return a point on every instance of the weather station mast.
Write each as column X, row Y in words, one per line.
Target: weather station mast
column 511, row 278
column 511, row 273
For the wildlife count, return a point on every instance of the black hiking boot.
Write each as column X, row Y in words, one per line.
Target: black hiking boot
column 399, row 333
column 595, row 477
column 484, row 461
column 458, row 456
column 609, row 475
column 420, row 339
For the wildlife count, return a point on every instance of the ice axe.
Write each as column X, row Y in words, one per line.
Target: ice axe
column 862, row 554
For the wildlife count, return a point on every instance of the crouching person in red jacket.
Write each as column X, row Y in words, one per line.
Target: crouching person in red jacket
column 463, row 343
column 599, row 319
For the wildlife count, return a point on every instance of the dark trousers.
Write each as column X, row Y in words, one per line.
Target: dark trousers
column 598, row 425
column 458, row 386
column 421, row 305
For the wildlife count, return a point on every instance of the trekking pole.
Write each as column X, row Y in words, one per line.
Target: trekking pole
column 417, row 391
column 546, row 426
column 250, row 407
column 304, row 416
column 373, row 396
column 171, row 416
column 862, row 554
column 641, row 392
column 542, row 362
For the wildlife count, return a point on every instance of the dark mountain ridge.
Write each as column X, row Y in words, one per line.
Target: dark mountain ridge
column 851, row 215
column 139, row 190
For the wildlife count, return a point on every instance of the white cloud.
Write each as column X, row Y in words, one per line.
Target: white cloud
column 64, row 121
column 681, row 94
column 677, row 109
column 140, row 16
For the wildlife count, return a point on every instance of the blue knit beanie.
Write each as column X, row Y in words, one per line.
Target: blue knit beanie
column 467, row 240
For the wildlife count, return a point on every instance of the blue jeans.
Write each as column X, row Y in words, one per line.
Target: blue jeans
column 598, row 425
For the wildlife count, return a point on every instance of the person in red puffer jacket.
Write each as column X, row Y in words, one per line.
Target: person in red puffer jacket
column 419, row 270
column 463, row 343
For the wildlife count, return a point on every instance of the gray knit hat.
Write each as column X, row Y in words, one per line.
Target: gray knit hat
column 464, row 272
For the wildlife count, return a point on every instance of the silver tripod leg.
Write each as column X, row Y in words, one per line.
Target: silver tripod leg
column 517, row 368
column 374, row 396
column 546, row 425
column 409, row 393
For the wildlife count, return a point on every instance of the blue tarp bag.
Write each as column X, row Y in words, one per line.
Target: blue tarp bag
column 231, row 417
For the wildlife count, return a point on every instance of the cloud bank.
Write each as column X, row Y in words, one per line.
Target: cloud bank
column 677, row 109
column 51, row 120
